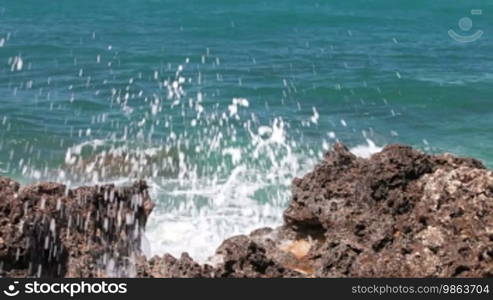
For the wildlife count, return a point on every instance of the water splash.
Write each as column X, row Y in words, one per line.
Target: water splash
column 365, row 151
column 216, row 166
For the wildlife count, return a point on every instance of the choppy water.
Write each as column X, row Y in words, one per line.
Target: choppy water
column 219, row 104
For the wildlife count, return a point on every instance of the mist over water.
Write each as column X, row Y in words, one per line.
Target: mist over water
column 219, row 105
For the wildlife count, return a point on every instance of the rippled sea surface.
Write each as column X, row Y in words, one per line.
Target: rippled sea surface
column 219, row 104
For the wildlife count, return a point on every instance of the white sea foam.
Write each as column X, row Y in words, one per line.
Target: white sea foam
column 365, row 151
column 230, row 205
column 231, row 210
column 199, row 231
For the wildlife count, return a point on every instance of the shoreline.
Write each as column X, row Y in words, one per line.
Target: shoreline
column 399, row 213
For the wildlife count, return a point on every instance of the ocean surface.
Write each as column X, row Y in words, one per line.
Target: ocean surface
column 219, row 104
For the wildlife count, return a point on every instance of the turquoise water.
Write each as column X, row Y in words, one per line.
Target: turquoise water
column 218, row 104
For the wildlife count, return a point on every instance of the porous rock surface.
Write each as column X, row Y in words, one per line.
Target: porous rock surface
column 400, row 213
column 47, row 230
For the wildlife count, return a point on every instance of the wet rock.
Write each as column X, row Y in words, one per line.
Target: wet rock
column 50, row 231
column 399, row 213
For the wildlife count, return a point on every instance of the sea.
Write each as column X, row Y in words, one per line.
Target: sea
column 219, row 104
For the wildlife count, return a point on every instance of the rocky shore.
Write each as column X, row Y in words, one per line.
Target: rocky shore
column 400, row 213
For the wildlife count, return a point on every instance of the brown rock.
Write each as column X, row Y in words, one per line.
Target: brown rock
column 400, row 213
column 49, row 231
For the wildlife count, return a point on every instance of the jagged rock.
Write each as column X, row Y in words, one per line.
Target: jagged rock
column 170, row 267
column 49, row 231
column 400, row 213
column 243, row 257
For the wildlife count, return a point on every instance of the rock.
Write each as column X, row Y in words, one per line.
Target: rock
column 399, row 213
column 170, row 267
column 49, row 231
column 242, row 257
